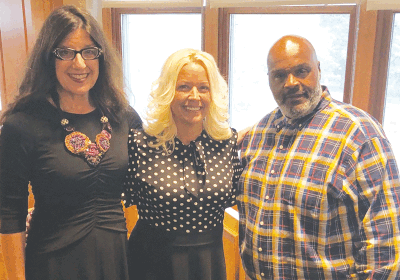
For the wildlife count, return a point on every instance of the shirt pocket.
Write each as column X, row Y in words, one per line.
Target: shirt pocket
column 303, row 185
column 302, row 199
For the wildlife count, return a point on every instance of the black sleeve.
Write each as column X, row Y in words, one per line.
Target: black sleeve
column 15, row 147
column 237, row 170
column 131, row 187
column 135, row 121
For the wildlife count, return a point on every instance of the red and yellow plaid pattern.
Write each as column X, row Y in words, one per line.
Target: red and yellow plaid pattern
column 320, row 197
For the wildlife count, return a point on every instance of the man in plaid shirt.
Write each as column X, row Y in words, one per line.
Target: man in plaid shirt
column 320, row 192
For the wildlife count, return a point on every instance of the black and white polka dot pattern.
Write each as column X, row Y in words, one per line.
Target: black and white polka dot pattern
column 186, row 190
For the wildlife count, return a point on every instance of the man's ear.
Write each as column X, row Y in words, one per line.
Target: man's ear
column 319, row 70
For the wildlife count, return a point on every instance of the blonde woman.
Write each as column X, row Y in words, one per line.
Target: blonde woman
column 183, row 173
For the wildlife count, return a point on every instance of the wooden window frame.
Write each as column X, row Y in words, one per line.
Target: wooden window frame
column 224, row 28
column 380, row 64
column 365, row 74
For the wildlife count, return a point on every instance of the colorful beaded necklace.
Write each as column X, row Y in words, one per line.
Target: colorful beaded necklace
column 79, row 144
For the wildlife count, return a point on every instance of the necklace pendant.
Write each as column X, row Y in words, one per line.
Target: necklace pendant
column 103, row 141
column 64, row 122
column 78, row 143
column 93, row 155
column 104, row 119
column 93, row 161
column 92, row 150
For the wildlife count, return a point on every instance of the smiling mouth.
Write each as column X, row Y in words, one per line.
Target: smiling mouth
column 78, row 76
column 193, row 108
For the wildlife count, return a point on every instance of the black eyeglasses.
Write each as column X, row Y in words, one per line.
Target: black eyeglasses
column 69, row 54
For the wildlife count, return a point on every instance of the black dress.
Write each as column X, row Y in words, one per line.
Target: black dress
column 181, row 197
column 78, row 229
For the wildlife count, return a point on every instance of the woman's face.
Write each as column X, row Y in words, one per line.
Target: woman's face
column 192, row 96
column 77, row 76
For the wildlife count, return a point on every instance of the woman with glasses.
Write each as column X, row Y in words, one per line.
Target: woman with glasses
column 66, row 134
column 183, row 170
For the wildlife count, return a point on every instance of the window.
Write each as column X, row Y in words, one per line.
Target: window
column 250, row 95
column 391, row 120
column 149, row 36
column 147, row 41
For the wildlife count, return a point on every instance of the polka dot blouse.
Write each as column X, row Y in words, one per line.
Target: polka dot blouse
column 185, row 190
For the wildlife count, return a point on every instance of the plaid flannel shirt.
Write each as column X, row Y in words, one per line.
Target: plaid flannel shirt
column 320, row 197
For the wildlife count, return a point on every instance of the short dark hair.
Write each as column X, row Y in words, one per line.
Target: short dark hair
column 40, row 81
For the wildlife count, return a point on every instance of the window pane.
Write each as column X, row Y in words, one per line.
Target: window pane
column 251, row 98
column 391, row 120
column 147, row 41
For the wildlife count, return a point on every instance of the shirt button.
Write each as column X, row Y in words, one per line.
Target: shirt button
column 273, row 171
column 260, row 249
column 277, row 126
column 267, row 197
column 262, row 274
column 261, row 223
column 281, row 147
column 299, row 125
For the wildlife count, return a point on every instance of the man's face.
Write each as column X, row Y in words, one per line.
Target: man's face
column 294, row 78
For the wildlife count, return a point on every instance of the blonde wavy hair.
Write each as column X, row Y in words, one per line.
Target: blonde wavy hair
column 160, row 122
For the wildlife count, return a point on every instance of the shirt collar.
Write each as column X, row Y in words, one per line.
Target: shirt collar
column 280, row 121
column 201, row 138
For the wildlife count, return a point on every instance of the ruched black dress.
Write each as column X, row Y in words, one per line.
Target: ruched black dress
column 78, row 229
